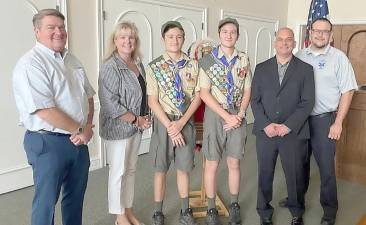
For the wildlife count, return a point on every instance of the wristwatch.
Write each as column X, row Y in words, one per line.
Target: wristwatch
column 134, row 120
column 79, row 130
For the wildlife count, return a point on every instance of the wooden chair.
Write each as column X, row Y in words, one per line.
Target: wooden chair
column 362, row 221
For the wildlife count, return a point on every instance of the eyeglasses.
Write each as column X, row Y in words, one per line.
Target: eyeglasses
column 321, row 32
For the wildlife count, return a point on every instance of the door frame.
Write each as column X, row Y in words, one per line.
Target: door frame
column 225, row 13
column 101, row 15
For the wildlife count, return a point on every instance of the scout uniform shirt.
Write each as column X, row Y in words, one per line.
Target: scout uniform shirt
column 213, row 75
column 175, row 83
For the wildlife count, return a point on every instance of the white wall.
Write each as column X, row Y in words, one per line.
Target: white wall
column 260, row 8
column 339, row 12
column 82, row 28
column 83, row 23
column 16, row 21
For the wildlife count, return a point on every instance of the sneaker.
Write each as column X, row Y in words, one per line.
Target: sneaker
column 327, row 221
column 158, row 218
column 266, row 221
column 297, row 221
column 234, row 214
column 186, row 217
column 212, row 217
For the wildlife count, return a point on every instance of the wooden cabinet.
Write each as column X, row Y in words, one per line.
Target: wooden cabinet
column 353, row 44
column 351, row 149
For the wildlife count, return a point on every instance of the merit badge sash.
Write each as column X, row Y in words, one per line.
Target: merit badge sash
column 167, row 75
column 217, row 72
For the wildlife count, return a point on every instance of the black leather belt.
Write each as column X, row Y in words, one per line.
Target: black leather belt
column 322, row 115
column 46, row 132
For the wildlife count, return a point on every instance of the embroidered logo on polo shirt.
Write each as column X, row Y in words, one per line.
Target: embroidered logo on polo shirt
column 321, row 64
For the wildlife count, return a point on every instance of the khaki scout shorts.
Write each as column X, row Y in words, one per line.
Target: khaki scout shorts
column 217, row 141
column 164, row 152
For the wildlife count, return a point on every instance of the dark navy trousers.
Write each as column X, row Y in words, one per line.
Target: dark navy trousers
column 57, row 165
column 293, row 153
column 324, row 150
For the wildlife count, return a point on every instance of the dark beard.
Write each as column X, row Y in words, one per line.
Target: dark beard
column 320, row 46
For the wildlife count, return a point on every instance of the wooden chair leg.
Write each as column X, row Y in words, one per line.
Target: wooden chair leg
column 198, row 199
column 362, row 221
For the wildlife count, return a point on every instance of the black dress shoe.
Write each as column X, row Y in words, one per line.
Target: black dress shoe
column 297, row 221
column 283, row 203
column 326, row 221
column 266, row 221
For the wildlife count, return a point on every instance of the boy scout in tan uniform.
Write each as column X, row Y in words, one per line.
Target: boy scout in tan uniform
column 225, row 80
column 173, row 97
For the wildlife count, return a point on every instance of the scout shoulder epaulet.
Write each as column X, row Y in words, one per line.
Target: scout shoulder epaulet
column 155, row 61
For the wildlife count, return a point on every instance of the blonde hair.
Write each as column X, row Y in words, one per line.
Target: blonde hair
column 112, row 48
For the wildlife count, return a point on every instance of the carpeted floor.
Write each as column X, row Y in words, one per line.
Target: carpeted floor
column 15, row 207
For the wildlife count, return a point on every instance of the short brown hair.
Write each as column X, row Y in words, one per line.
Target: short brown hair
column 324, row 19
column 37, row 18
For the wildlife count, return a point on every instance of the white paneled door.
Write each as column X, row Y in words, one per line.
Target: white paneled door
column 17, row 38
column 149, row 17
column 256, row 39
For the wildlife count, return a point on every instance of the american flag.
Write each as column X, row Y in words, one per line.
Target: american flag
column 318, row 9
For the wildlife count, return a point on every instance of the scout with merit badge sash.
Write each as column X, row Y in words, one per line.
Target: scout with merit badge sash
column 167, row 75
column 219, row 70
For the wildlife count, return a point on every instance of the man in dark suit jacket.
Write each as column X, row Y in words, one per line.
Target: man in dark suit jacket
column 282, row 98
